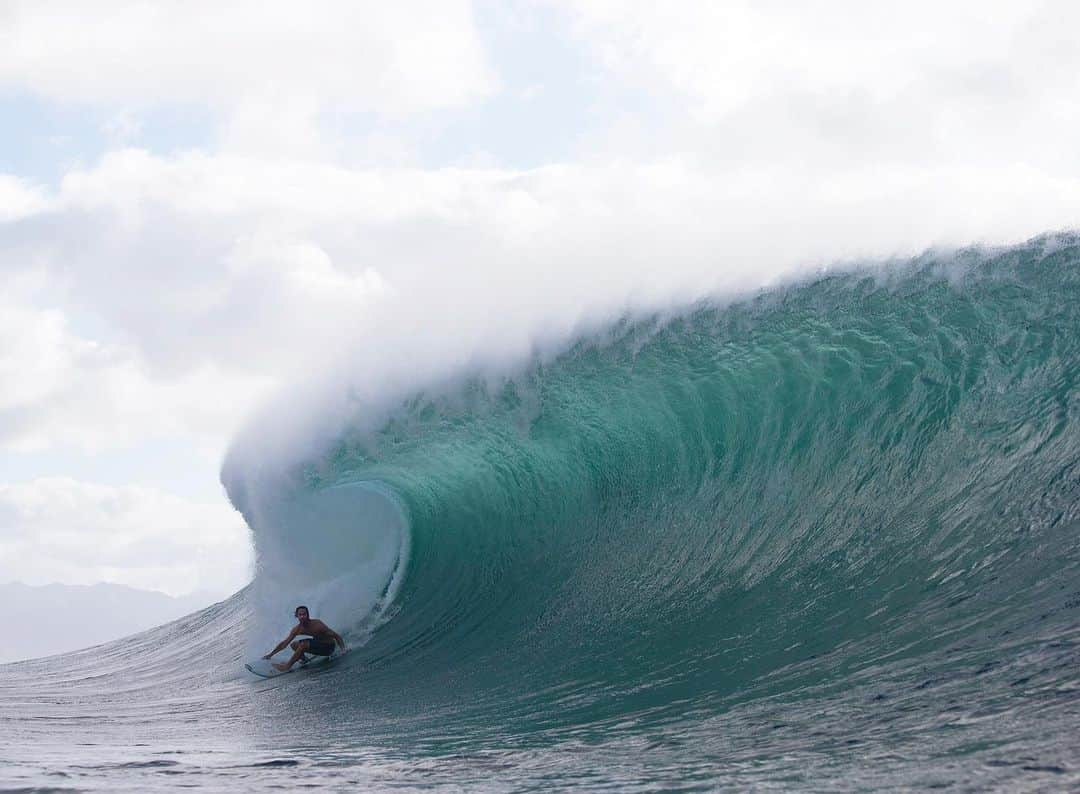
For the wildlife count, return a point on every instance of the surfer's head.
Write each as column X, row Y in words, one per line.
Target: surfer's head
column 301, row 613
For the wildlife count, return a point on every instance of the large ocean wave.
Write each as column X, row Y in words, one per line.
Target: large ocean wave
column 827, row 532
column 685, row 511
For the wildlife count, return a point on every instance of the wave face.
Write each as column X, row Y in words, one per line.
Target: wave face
column 778, row 495
column 827, row 536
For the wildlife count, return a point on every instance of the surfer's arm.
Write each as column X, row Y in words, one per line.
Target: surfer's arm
column 283, row 643
column 336, row 638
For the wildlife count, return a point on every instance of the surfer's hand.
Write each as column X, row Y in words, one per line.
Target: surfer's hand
column 268, row 656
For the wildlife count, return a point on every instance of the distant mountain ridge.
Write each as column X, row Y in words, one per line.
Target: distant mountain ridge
column 57, row 618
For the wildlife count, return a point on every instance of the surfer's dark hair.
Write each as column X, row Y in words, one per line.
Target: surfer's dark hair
column 299, row 608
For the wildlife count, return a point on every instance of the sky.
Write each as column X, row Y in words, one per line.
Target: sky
column 205, row 203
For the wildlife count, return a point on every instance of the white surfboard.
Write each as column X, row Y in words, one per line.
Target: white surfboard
column 264, row 669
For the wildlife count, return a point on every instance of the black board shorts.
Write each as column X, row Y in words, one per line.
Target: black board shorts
column 319, row 648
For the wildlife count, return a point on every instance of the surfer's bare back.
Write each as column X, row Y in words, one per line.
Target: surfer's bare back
column 321, row 643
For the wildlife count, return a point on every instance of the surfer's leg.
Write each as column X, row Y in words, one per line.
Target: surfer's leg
column 299, row 649
column 296, row 646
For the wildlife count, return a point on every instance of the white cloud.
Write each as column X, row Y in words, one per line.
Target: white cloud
column 122, row 128
column 727, row 53
column 58, row 529
column 838, row 84
column 60, row 390
column 17, row 199
column 391, row 58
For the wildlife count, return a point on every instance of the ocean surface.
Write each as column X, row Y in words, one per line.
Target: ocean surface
column 825, row 537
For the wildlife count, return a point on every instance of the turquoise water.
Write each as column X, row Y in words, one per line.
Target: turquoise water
column 825, row 537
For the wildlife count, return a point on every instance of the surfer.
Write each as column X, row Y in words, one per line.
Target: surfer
column 321, row 643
